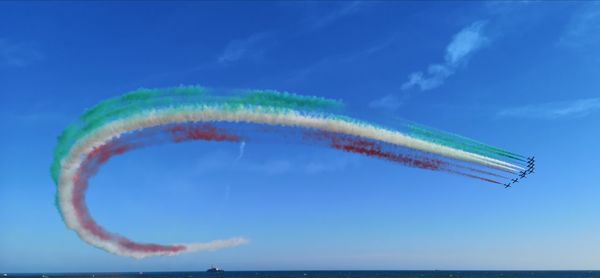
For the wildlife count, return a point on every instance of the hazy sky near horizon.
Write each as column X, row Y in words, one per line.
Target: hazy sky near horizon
column 519, row 75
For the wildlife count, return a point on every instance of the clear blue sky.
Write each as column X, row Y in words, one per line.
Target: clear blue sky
column 522, row 76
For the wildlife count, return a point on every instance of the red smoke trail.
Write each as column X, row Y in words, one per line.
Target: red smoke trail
column 375, row 149
column 102, row 154
column 480, row 171
column 473, row 176
column 207, row 132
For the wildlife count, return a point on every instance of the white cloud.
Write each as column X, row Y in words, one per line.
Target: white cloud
column 435, row 76
column 462, row 46
column 583, row 28
column 464, row 43
column 18, row 54
column 554, row 110
column 389, row 102
column 242, row 48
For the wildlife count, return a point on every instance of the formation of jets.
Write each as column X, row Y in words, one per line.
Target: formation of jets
column 523, row 174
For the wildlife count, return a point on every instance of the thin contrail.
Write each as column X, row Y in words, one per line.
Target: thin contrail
column 241, row 153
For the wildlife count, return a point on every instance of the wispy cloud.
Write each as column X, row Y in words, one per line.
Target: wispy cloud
column 462, row 46
column 389, row 102
column 18, row 54
column 554, row 110
column 252, row 47
column 583, row 28
column 379, row 46
column 239, row 49
column 339, row 60
column 344, row 9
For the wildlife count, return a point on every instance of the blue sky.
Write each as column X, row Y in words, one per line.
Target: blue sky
column 522, row 76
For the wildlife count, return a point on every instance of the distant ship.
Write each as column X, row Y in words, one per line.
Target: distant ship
column 214, row 269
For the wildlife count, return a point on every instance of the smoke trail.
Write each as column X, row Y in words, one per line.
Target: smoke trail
column 242, row 147
column 458, row 141
column 117, row 244
column 175, row 115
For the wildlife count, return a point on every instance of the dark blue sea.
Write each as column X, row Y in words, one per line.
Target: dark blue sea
column 329, row 274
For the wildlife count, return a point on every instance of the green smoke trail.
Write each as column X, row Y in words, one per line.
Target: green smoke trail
column 144, row 99
column 94, row 138
column 460, row 142
column 134, row 102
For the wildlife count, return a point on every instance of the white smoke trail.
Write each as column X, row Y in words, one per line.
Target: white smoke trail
column 72, row 162
column 216, row 244
column 242, row 147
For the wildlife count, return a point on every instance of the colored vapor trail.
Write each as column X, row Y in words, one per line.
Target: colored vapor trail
column 157, row 116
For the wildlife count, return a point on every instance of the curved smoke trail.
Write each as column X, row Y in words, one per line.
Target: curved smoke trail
column 146, row 117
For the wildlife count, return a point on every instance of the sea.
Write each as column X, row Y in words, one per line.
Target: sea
column 325, row 274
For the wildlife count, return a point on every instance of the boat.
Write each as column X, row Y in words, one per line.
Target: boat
column 214, row 269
